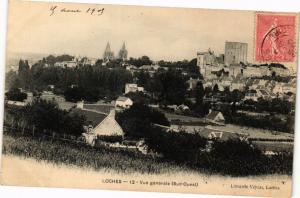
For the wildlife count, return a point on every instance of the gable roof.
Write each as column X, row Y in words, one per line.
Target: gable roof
column 99, row 108
column 108, row 126
column 212, row 115
column 92, row 118
column 122, row 98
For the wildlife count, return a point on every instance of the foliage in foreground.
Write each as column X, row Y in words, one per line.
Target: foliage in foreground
column 44, row 116
column 232, row 157
column 68, row 153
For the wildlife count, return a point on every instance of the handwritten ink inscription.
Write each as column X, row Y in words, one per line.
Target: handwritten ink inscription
column 275, row 37
column 91, row 11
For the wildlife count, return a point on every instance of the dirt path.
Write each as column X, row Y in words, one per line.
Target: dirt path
column 29, row 172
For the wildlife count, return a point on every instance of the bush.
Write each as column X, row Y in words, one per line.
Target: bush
column 43, row 115
column 136, row 121
column 180, row 147
column 15, row 94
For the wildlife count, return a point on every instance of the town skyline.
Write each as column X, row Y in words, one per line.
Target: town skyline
column 160, row 35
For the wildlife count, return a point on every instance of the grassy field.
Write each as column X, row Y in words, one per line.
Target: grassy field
column 80, row 155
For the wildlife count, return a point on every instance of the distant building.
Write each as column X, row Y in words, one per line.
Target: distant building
column 107, row 127
column 123, row 102
column 72, row 63
column 235, row 52
column 251, row 95
column 132, row 87
column 123, row 52
column 206, row 59
column 237, row 84
column 108, row 54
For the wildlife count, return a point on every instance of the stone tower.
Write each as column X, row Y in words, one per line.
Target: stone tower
column 123, row 52
column 108, row 54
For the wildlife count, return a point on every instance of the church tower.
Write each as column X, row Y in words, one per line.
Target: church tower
column 123, row 52
column 108, row 54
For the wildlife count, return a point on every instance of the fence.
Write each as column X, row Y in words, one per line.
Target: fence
column 43, row 134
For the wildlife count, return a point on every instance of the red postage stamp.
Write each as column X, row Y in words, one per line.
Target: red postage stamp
column 275, row 37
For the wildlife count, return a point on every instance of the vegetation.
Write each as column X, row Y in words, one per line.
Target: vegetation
column 44, row 116
column 275, row 105
column 269, row 122
column 181, row 147
column 15, row 94
column 233, row 157
column 82, row 155
column 136, row 122
column 169, row 87
column 238, row 158
column 144, row 60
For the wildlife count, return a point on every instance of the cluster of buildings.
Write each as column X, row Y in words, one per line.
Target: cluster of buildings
column 151, row 69
column 232, row 70
column 234, row 63
column 108, row 55
column 77, row 61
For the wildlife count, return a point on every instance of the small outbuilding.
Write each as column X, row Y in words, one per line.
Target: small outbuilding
column 215, row 117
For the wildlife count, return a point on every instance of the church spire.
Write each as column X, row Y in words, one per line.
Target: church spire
column 108, row 54
column 123, row 52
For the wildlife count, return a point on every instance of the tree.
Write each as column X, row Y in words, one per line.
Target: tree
column 136, row 121
column 169, row 87
column 15, row 94
column 216, row 88
column 45, row 115
column 24, row 73
column 144, row 60
column 199, row 91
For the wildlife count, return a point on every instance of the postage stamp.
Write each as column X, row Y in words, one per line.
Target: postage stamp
column 275, row 37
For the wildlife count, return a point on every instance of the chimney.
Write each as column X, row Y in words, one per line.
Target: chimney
column 79, row 104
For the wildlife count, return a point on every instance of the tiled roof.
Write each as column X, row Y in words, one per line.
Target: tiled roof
column 97, row 107
column 122, row 98
column 92, row 118
column 212, row 115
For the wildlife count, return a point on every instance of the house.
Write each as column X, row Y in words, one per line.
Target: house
column 289, row 88
column 132, row 87
column 131, row 68
column 192, row 83
column 215, row 117
column 149, row 67
column 123, row 102
column 72, row 63
column 99, row 125
column 237, row 84
column 108, row 128
column 278, row 88
column 251, row 95
column 226, row 81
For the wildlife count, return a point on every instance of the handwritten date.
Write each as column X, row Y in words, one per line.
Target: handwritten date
column 91, row 11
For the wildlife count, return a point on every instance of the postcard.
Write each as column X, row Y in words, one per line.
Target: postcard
column 141, row 98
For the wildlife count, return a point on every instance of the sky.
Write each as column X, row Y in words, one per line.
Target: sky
column 160, row 33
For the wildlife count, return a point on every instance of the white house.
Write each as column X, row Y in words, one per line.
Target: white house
column 251, row 95
column 123, row 102
column 108, row 127
column 66, row 64
column 132, row 87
